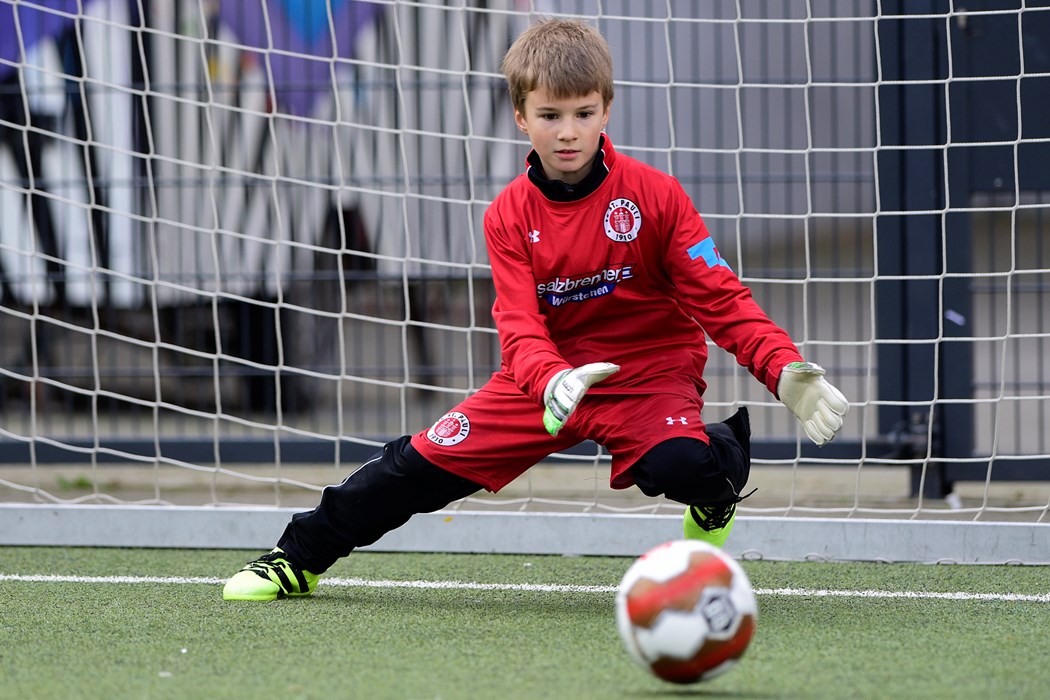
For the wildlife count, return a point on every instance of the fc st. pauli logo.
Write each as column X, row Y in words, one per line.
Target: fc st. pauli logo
column 623, row 219
column 450, row 429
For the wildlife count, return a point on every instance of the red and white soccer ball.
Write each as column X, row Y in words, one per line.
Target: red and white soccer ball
column 686, row 611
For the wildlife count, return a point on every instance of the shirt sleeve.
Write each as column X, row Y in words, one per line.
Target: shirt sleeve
column 711, row 293
column 528, row 352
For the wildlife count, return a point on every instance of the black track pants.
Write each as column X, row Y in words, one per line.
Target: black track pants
column 379, row 497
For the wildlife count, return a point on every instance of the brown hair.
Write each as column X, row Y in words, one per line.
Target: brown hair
column 566, row 57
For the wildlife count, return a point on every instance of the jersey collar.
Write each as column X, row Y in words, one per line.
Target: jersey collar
column 558, row 191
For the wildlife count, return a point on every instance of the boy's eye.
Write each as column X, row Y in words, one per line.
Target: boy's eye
column 551, row 116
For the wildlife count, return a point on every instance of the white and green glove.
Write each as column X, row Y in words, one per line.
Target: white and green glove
column 565, row 390
column 817, row 404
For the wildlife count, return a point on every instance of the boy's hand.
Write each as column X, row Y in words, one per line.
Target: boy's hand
column 817, row 404
column 566, row 389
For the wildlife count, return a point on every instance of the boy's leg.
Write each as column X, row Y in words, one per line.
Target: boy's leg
column 382, row 495
column 489, row 439
column 709, row 478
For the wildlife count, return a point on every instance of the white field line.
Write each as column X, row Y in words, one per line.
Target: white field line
column 535, row 587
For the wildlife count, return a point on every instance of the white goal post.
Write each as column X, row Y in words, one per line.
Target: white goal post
column 240, row 249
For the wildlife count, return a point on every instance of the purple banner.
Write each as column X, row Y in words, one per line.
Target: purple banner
column 305, row 28
column 23, row 25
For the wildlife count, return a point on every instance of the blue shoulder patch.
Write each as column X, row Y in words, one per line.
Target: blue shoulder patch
column 706, row 251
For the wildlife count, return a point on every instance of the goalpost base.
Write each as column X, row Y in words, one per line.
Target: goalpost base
column 574, row 534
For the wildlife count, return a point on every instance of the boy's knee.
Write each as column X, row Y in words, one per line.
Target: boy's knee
column 689, row 471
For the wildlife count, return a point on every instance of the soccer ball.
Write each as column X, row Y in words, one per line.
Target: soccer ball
column 686, row 611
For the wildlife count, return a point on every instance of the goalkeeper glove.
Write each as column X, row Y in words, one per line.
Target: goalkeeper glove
column 565, row 390
column 817, row 404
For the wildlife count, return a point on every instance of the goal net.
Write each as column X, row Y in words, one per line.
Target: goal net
column 241, row 249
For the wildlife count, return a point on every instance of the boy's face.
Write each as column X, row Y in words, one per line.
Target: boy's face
column 564, row 132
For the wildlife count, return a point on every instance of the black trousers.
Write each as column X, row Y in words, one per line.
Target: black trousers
column 381, row 496
column 398, row 482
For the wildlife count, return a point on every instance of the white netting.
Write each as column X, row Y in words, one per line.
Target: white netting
column 240, row 242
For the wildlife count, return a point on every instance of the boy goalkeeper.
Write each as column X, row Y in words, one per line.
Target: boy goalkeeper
column 606, row 282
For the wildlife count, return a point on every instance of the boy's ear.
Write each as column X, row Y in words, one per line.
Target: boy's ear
column 519, row 119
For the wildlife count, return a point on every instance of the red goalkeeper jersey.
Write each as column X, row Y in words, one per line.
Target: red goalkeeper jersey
column 628, row 274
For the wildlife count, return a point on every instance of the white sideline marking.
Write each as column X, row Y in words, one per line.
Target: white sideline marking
column 535, row 587
column 936, row 595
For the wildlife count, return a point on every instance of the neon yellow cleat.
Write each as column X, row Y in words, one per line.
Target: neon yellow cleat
column 711, row 524
column 269, row 577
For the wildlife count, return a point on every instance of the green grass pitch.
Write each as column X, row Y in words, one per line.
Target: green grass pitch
column 843, row 631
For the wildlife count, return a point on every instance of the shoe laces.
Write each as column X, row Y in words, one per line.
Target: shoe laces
column 715, row 516
column 275, row 563
column 274, row 558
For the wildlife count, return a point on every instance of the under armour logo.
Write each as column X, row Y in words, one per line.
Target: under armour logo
column 680, row 419
column 534, row 236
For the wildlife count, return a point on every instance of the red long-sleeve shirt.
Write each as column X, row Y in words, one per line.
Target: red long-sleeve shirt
column 628, row 274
